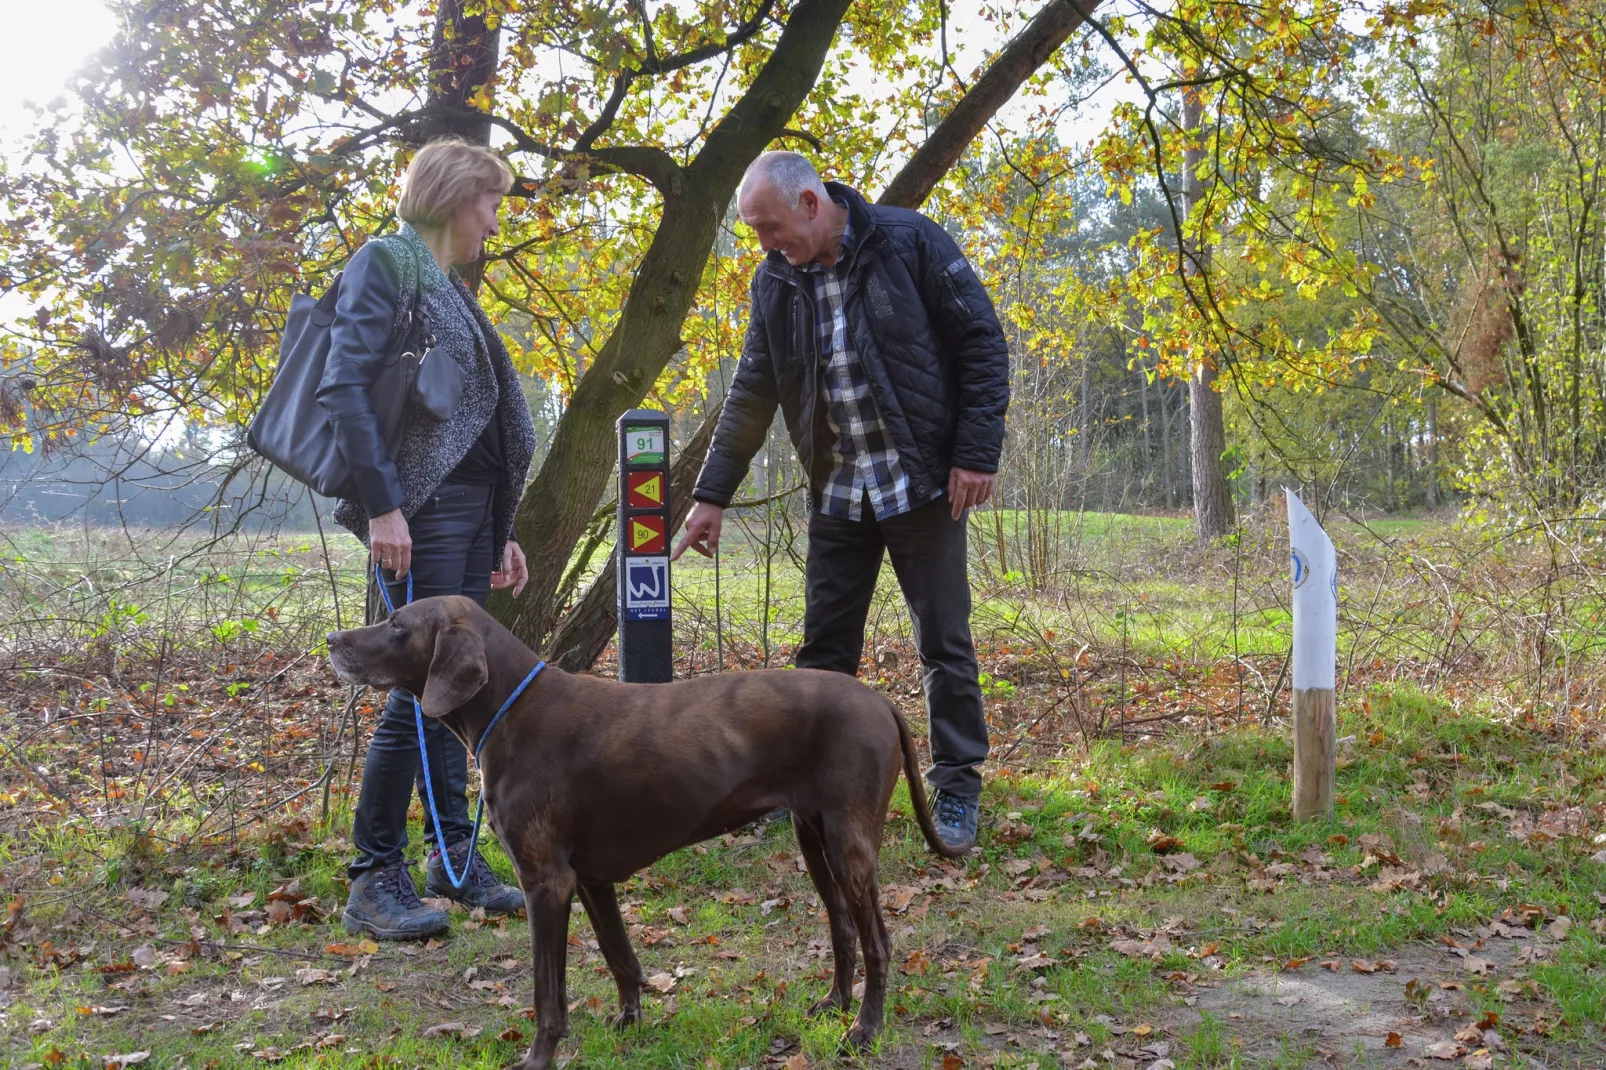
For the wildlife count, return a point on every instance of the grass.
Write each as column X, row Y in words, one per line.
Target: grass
column 1418, row 773
column 1137, row 799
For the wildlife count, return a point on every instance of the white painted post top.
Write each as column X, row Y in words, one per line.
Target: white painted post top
column 1315, row 599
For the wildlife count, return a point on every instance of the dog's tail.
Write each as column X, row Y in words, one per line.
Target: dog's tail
column 917, row 796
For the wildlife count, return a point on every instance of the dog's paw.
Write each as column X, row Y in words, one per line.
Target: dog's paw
column 526, row 1063
column 829, row 1005
column 859, row 1038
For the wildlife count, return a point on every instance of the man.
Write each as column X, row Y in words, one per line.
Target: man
column 881, row 347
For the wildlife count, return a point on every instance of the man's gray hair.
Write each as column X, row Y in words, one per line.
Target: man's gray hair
column 788, row 173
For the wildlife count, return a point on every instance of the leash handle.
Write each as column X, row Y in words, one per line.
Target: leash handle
column 457, row 880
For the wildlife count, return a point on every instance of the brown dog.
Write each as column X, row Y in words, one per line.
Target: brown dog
column 588, row 780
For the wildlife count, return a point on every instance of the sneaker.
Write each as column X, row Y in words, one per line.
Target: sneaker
column 481, row 888
column 956, row 816
column 385, row 905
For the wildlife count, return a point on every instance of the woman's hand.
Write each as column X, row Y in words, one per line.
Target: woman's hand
column 514, row 573
column 390, row 543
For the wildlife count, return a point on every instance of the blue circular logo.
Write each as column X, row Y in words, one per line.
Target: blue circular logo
column 1301, row 568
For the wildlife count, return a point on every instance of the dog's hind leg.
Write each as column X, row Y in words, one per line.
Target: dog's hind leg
column 852, row 852
column 843, row 935
column 547, row 895
column 602, row 907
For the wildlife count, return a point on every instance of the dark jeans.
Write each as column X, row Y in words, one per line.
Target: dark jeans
column 451, row 555
column 928, row 547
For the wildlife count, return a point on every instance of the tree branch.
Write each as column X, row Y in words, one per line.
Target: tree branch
column 1019, row 59
column 654, row 65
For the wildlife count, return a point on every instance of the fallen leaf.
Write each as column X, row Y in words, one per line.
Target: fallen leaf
column 1479, row 1060
column 663, row 982
column 896, row 898
column 452, row 1029
column 241, row 901
column 950, row 1061
column 147, row 898
column 1557, row 929
column 797, row 1062
column 133, row 1058
column 313, row 976
column 1180, row 863
column 1393, row 1040
column 268, row 1055
column 511, row 1035
column 1476, row 965
column 1289, row 1001
column 1160, row 843
column 1444, row 1049
column 103, row 1012
column 1294, row 964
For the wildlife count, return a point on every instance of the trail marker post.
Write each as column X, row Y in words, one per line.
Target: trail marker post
column 1315, row 601
column 644, row 625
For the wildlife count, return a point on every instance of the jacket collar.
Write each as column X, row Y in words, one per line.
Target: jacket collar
column 429, row 268
column 860, row 225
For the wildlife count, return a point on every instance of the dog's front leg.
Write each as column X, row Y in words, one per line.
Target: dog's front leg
column 602, row 907
column 547, row 895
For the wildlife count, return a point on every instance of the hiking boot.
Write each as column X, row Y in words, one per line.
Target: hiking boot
column 481, row 888
column 956, row 819
column 385, row 905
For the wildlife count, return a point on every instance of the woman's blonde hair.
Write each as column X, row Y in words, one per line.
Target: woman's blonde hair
column 444, row 176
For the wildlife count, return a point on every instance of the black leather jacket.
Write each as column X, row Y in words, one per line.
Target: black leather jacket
column 923, row 325
column 359, row 339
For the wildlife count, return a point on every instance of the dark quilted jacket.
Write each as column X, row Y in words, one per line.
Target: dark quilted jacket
column 931, row 344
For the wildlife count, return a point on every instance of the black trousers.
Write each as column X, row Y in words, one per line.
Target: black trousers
column 451, row 555
column 928, row 550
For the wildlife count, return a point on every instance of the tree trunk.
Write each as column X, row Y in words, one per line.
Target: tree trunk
column 1433, row 451
column 559, row 502
column 1212, row 501
column 463, row 54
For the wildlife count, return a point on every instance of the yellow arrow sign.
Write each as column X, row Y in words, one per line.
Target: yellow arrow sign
column 647, row 535
column 647, row 489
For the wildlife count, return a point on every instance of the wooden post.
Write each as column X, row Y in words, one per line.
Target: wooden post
column 1315, row 602
column 1315, row 752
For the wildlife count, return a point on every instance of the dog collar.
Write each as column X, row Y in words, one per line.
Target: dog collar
column 379, row 577
column 511, row 699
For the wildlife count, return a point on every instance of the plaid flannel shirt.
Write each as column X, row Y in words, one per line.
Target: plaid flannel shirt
column 863, row 460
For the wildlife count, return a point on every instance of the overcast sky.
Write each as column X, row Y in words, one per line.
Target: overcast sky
column 42, row 44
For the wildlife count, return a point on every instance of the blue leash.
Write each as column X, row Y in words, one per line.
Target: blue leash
column 423, row 751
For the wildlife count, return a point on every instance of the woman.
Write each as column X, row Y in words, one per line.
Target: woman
column 440, row 511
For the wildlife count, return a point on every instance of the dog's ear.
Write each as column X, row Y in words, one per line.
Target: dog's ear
column 457, row 671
